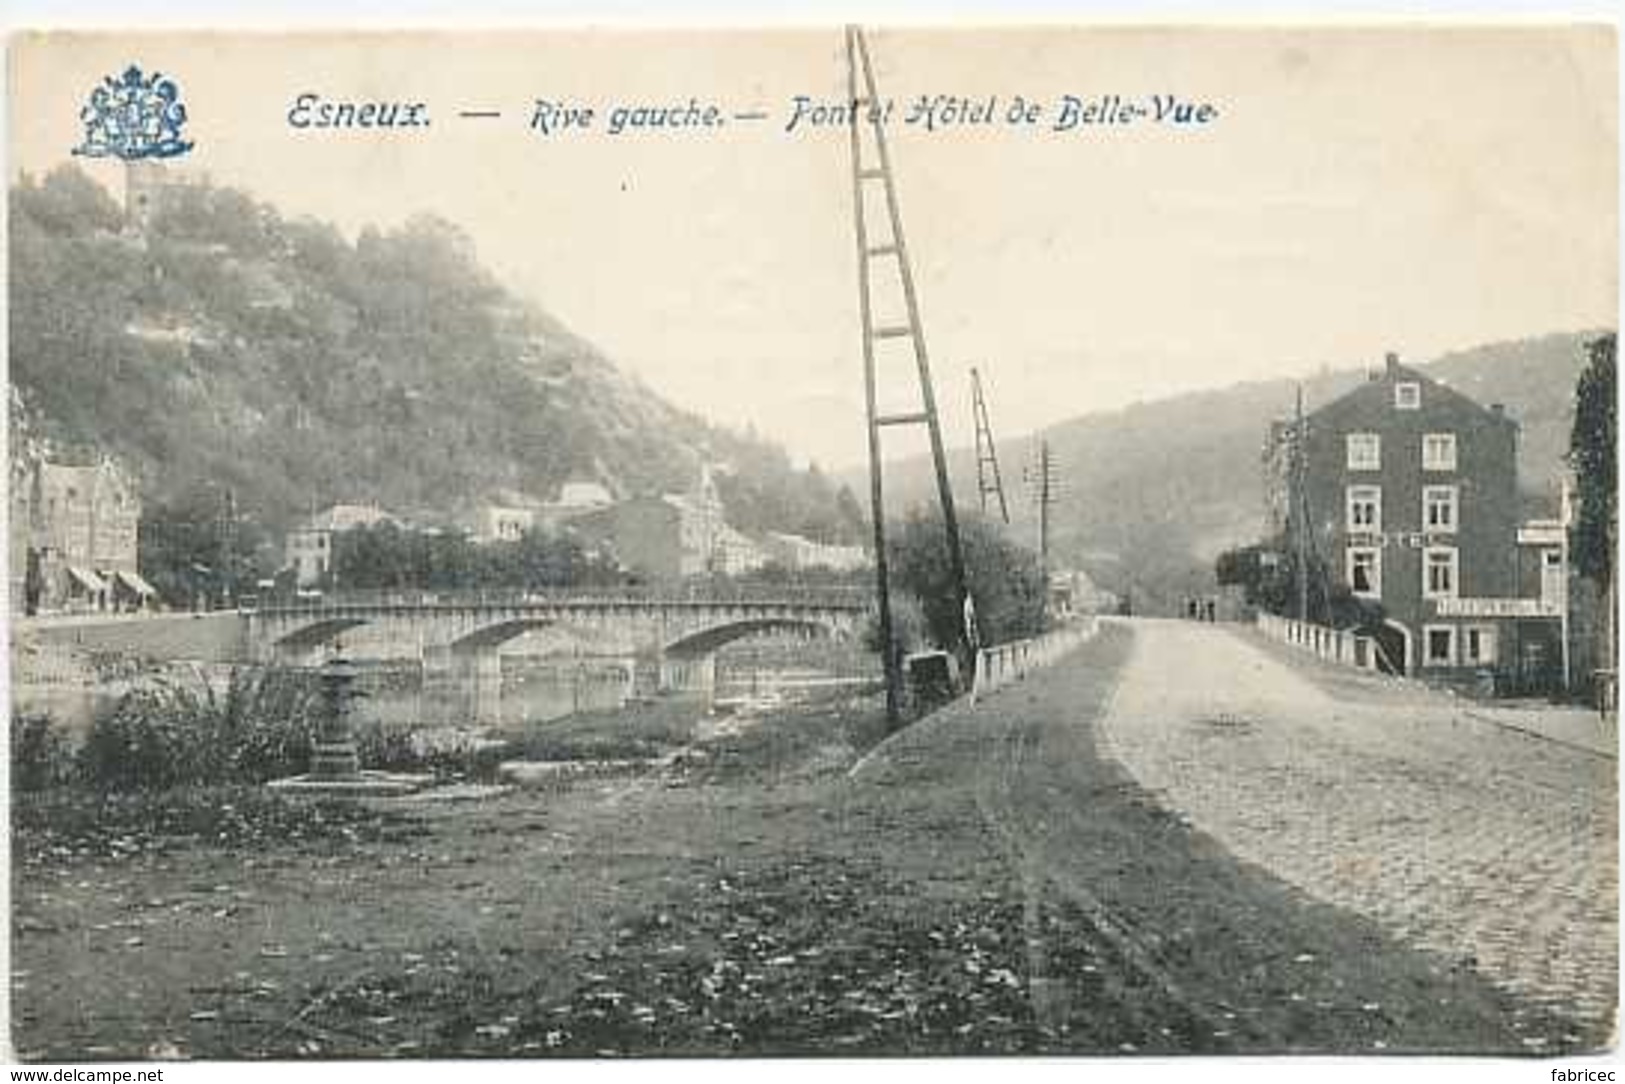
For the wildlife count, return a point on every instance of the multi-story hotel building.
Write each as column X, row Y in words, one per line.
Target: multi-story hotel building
column 1411, row 499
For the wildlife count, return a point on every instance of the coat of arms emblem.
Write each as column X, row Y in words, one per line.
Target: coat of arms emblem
column 133, row 116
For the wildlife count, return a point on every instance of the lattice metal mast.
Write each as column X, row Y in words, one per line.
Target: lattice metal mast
column 894, row 251
column 988, row 480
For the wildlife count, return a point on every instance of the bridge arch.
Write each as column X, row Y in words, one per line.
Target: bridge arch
column 308, row 637
column 705, row 641
column 491, row 636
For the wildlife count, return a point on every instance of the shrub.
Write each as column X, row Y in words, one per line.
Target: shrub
column 908, row 626
column 447, row 752
column 272, row 717
column 144, row 742
column 1005, row 579
column 386, row 746
column 39, row 754
column 173, row 732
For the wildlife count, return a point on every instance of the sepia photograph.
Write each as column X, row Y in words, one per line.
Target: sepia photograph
column 847, row 541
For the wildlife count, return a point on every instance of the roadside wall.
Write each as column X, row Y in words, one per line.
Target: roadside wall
column 211, row 637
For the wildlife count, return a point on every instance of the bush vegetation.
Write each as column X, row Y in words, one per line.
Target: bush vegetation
column 173, row 732
column 177, row 732
column 1267, row 572
column 40, row 758
column 1005, row 580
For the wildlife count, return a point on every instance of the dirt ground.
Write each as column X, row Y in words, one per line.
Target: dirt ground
column 984, row 882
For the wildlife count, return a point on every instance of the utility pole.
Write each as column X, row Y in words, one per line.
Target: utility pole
column 1300, row 511
column 1565, row 518
column 228, row 543
column 1041, row 477
column 988, row 480
column 892, row 250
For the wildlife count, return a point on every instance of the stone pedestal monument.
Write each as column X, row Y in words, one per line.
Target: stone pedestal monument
column 335, row 762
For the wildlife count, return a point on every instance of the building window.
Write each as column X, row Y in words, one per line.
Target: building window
column 1365, row 509
column 1408, row 395
column 1364, row 451
column 1439, row 645
column 1439, row 568
column 1478, row 645
column 1439, row 508
column 1365, row 571
column 1439, row 451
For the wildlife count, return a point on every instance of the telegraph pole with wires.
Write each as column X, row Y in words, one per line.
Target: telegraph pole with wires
column 989, row 483
column 228, row 546
column 888, row 251
column 1300, row 510
column 1043, row 481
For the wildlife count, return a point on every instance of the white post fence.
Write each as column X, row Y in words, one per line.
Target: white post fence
column 1333, row 645
column 1005, row 664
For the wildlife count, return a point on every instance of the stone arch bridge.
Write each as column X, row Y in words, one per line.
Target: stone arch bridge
column 670, row 642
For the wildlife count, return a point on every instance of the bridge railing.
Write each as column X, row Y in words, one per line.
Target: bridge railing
column 1340, row 646
column 854, row 598
column 1006, row 664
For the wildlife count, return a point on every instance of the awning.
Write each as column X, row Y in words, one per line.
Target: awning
column 135, row 583
column 89, row 579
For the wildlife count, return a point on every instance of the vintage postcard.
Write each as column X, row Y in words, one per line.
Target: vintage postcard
column 840, row 541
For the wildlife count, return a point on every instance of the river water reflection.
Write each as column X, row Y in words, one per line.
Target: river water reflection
column 533, row 689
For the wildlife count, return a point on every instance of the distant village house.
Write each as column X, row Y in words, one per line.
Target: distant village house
column 507, row 516
column 74, row 538
column 308, row 548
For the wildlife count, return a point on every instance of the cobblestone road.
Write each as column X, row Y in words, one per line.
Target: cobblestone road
column 1470, row 840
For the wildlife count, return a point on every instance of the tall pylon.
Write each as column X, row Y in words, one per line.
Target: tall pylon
column 989, row 483
column 891, row 251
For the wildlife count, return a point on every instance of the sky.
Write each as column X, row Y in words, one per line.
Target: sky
column 1356, row 190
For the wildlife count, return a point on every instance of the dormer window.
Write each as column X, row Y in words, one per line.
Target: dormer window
column 1407, row 395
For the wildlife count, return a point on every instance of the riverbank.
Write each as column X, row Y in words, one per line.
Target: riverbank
column 990, row 883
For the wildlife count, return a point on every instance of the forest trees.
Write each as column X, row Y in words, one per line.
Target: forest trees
column 388, row 557
column 1593, row 444
column 230, row 347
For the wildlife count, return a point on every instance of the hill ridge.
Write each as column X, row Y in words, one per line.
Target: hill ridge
column 1153, row 491
column 226, row 348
